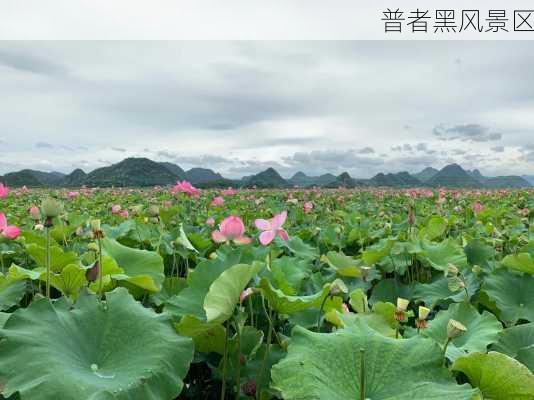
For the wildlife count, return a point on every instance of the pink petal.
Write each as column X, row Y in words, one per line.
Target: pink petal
column 11, row 232
column 242, row 240
column 278, row 220
column 218, row 237
column 3, row 221
column 282, row 234
column 267, row 237
column 262, row 224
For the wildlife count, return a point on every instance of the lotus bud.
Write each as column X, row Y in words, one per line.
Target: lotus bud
column 153, row 211
column 213, row 256
column 35, row 213
column 92, row 273
column 50, row 208
column 245, row 294
column 455, row 329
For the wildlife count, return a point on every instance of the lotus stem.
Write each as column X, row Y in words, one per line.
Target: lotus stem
column 266, row 355
column 320, row 312
column 362, row 374
column 444, row 353
column 238, row 363
column 2, row 262
column 100, row 270
column 47, row 261
column 225, row 363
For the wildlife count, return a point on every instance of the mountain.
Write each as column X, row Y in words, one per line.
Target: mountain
column 453, row 176
column 426, row 174
column 507, row 182
column 342, row 180
column 477, row 175
column 300, row 179
column 33, row 178
column 132, row 172
column 528, row 178
column 175, row 169
column 401, row 179
column 202, row 175
column 75, row 178
column 269, row 178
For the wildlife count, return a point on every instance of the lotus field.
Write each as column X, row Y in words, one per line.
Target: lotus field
column 181, row 293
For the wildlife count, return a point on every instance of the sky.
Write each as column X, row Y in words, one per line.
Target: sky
column 240, row 107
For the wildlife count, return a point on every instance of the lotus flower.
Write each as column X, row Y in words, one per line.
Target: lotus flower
column 245, row 294
column 9, row 232
column 116, row 208
column 210, row 221
column 231, row 229
column 308, row 207
column 185, row 187
column 73, row 195
column 272, row 228
column 4, row 191
column 217, row 201
column 477, row 207
column 35, row 213
column 124, row 213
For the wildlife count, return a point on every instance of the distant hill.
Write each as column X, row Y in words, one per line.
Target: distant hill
column 269, row 178
column 145, row 172
column 202, row 175
column 401, row 179
column 175, row 169
column 75, row 178
column 131, row 172
column 453, row 176
column 300, row 179
column 426, row 174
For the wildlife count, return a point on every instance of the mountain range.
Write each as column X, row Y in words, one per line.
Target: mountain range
column 133, row 172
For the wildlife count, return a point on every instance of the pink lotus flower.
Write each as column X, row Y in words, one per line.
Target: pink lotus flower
column 272, row 228
column 210, row 221
column 245, row 293
column 231, row 229
column 4, row 191
column 308, row 207
column 229, row 192
column 217, row 201
column 73, row 195
column 477, row 207
column 185, row 187
column 116, row 208
column 35, row 213
column 124, row 213
column 9, row 232
column 345, row 308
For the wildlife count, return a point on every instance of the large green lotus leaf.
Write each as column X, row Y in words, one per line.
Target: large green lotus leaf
column 171, row 287
column 223, row 294
column 300, row 249
column 342, row 264
column 322, row 366
column 3, row 318
column 144, row 268
column 438, row 291
column 498, row 376
column 69, row 281
column 440, row 255
column 17, row 273
column 522, row 262
column 96, row 351
column 380, row 319
column 288, row 273
column 285, row 304
column 208, row 337
column 478, row 253
column 482, row 329
column 11, row 292
column 435, row 227
column 190, row 300
column 388, row 290
column 512, row 294
column 58, row 258
column 375, row 253
column 518, row 342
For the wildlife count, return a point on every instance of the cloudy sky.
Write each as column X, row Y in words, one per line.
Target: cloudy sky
column 239, row 107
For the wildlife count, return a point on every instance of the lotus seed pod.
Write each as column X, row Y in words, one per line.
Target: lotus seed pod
column 50, row 208
column 213, row 256
column 423, row 312
column 95, row 225
column 455, row 329
column 402, row 304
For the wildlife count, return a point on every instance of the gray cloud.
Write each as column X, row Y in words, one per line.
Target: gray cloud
column 466, row 132
column 498, row 149
column 30, row 63
column 119, row 149
column 43, row 145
